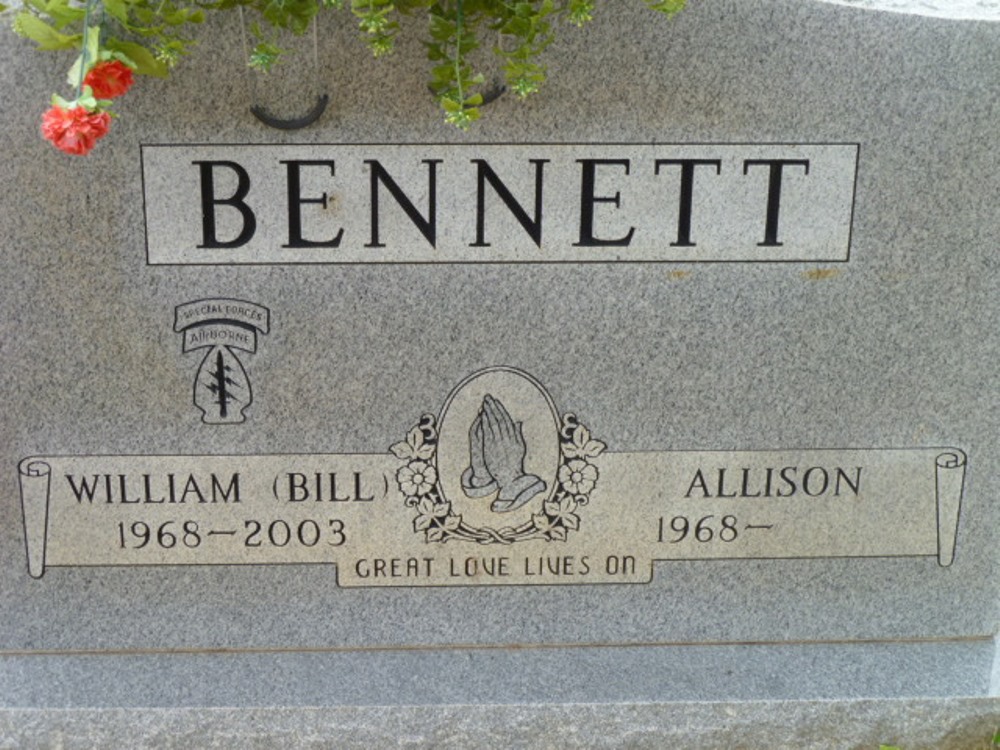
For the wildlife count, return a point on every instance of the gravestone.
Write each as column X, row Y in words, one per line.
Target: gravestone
column 657, row 411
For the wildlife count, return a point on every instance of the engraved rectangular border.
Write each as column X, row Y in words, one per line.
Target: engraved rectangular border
column 955, row 522
column 845, row 259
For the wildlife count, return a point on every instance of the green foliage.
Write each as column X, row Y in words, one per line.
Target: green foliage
column 666, row 6
column 994, row 743
column 453, row 38
column 149, row 33
column 153, row 35
column 524, row 28
column 378, row 24
column 144, row 61
column 43, row 34
column 266, row 54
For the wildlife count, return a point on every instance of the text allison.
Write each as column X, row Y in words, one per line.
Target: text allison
column 771, row 481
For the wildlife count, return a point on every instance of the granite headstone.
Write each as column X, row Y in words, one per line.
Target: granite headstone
column 677, row 384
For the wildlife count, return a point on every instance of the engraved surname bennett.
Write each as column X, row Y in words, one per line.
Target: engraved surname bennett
column 498, row 203
column 383, row 188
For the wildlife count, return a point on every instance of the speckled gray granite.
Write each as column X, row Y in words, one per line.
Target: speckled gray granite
column 987, row 10
column 958, row 724
column 640, row 673
column 896, row 347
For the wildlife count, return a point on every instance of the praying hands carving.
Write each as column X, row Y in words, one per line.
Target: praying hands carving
column 496, row 459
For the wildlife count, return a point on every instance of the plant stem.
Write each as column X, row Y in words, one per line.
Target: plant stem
column 459, row 30
column 83, row 48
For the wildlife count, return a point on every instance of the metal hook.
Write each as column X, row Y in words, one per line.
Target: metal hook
column 498, row 89
column 295, row 123
column 491, row 95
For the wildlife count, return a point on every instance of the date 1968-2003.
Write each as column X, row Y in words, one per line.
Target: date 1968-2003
column 253, row 534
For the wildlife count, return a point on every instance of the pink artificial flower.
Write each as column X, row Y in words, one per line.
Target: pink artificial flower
column 75, row 131
column 109, row 79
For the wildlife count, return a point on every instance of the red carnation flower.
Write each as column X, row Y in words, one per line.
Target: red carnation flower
column 75, row 131
column 109, row 79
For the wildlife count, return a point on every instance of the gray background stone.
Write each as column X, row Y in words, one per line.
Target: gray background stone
column 399, row 676
column 896, row 348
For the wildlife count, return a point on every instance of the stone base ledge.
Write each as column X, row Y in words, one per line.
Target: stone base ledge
column 945, row 724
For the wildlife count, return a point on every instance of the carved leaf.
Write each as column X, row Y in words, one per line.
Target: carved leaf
column 541, row 521
column 570, row 451
column 583, row 446
column 402, row 450
column 435, row 534
column 413, row 447
column 415, row 439
column 421, row 523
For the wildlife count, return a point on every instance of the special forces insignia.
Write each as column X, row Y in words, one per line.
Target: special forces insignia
column 221, row 388
column 499, row 465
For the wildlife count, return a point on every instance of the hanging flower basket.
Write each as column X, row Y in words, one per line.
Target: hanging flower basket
column 117, row 39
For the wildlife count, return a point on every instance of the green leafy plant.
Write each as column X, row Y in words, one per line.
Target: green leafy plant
column 994, row 743
column 150, row 37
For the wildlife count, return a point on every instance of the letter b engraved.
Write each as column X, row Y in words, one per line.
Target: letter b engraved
column 210, row 202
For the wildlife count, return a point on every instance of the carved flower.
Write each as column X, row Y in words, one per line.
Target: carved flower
column 417, row 478
column 578, row 477
column 75, row 130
